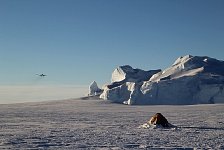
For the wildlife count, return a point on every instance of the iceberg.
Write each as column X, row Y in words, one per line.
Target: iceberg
column 189, row 80
column 94, row 89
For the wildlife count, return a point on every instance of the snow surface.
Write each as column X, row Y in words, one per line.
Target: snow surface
column 98, row 124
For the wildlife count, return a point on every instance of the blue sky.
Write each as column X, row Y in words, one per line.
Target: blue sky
column 77, row 41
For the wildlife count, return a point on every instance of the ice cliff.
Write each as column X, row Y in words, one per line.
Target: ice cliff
column 190, row 80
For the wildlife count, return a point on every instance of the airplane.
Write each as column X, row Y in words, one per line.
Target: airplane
column 41, row 75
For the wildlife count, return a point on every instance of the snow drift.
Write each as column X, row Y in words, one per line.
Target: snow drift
column 190, row 80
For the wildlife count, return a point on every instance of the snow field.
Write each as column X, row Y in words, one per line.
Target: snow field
column 98, row 124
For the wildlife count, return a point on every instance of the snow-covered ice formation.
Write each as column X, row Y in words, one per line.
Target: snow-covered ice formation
column 123, row 79
column 190, row 80
column 94, row 89
column 128, row 74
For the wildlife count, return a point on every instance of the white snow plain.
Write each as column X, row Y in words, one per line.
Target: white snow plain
column 98, row 124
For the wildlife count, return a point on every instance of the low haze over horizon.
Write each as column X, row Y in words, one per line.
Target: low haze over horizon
column 77, row 41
